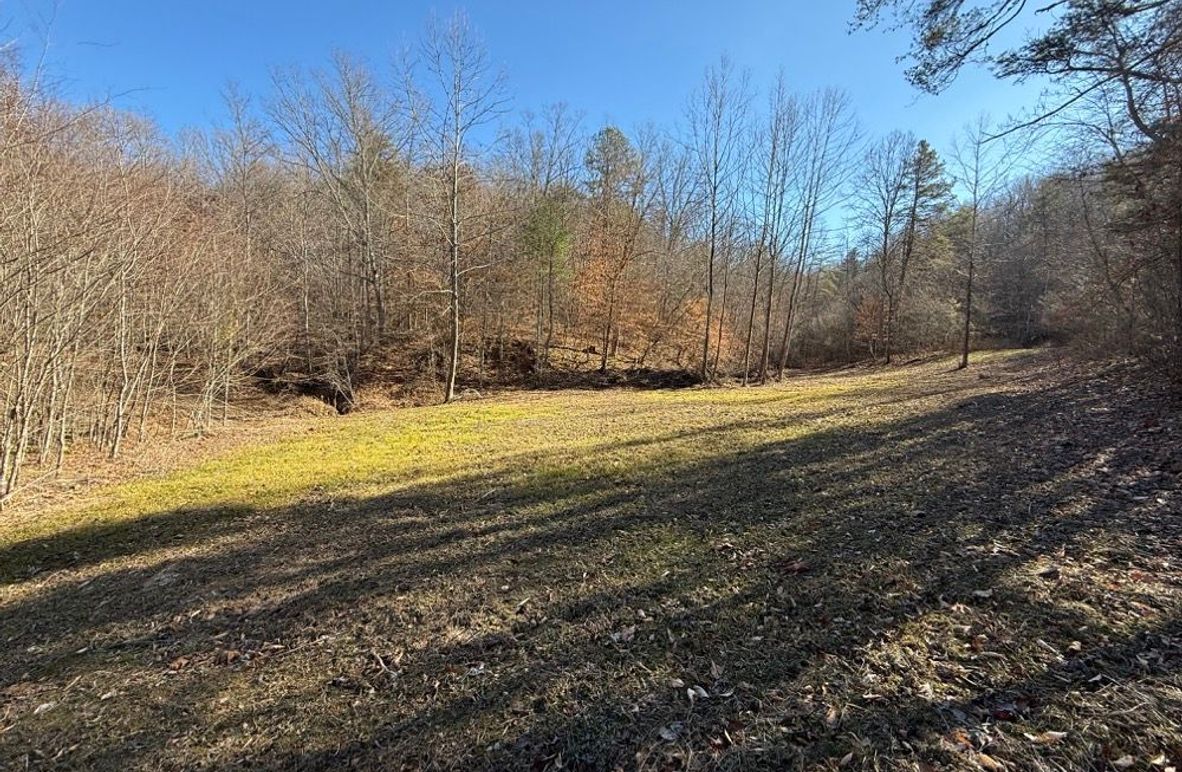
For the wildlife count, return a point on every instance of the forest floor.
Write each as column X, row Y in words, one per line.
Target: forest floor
column 895, row 568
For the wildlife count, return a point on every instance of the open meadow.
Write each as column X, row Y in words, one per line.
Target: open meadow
column 896, row 568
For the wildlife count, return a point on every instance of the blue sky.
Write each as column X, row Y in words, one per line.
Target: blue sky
column 626, row 62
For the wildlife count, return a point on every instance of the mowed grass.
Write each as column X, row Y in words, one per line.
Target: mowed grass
column 875, row 568
column 561, row 434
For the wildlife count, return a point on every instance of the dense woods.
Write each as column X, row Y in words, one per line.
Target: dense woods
column 413, row 230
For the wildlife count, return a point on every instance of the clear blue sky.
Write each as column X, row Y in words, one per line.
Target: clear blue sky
column 625, row 62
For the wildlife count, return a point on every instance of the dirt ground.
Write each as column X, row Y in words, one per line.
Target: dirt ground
column 903, row 568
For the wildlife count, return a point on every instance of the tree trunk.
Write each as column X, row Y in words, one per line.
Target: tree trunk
column 453, row 364
column 549, row 310
column 709, row 304
column 751, row 315
column 766, row 354
column 721, row 317
column 968, row 294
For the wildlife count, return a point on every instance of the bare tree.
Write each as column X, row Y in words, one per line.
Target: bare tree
column 829, row 135
column 982, row 168
column 776, row 141
column 882, row 202
column 716, row 128
column 467, row 94
column 675, row 208
column 348, row 132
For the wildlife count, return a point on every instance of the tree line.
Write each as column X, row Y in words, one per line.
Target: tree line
column 355, row 226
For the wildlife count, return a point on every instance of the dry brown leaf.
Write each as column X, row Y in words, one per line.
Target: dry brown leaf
column 958, row 740
column 793, row 567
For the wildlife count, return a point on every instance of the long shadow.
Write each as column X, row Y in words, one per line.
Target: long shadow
column 91, row 543
column 854, row 591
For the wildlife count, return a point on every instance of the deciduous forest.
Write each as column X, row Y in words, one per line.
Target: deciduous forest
column 771, row 437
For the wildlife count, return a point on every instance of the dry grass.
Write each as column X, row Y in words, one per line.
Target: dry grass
column 904, row 568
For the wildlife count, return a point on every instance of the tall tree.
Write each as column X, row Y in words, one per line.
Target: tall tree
column 823, row 166
column 927, row 197
column 716, row 126
column 981, row 168
column 347, row 131
column 882, row 204
column 776, row 143
column 468, row 93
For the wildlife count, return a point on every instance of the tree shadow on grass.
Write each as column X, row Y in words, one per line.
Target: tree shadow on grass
column 91, row 543
column 922, row 590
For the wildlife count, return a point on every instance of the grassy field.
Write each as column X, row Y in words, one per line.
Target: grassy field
column 909, row 568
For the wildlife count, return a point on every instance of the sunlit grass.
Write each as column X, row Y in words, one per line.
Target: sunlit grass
column 556, row 437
